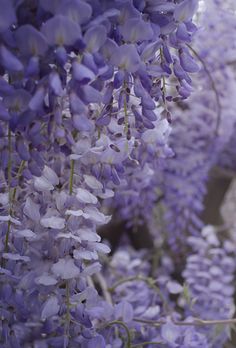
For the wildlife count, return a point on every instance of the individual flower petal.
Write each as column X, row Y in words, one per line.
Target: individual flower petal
column 7, row 15
column 96, row 216
column 108, row 48
column 149, row 114
column 27, row 234
column 152, row 312
column 103, row 120
column 126, row 58
column 34, row 45
column 5, row 88
column 4, row 115
column 170, row 332
column 61, row 54
column 77, row 213
column 51, row 176
column 180, row 73
column 84, row 196
column 17, row 101
column 90, row 62
column 52, row 6
column 15, row 257
column 215, row 285
column 135, row 30
column 119, row 79
column 60, row 30
column 46, row 279
column 33, row 67
column 84, row 254
column 42, row 184
column 4, row 199
column 156, row 71
column 65, row 269
column 91, row 95
column 185, row 10
column 107, row 194
column 6, row 218
column 92, row 182
column 101, row 248
column 124, row 311
column 22, row 149
column 182, row 33
column 31, row 210
column 174, row 287
column 81, row 73
column 76, row 10
column 167, row 54
column 87, row 235
column 55, row 84
column 150, row 50
column 9, row 61
column 54, row 222
column 97, row 342
column 82, row 123
column 51, row 307
column 95, row 38
column 68, row 236
column 76, row 105
column 187, row 62
column 92, row 269
column 37, row 100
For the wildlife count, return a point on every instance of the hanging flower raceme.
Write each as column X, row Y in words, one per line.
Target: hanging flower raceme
column 78, row 109
column 202, row 126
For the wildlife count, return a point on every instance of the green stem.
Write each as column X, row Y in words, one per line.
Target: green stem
column 6, row 245
column 140, row 345
column 72, row 166
column 68, row 304
column 102, row 282
column 12, row 198
column 9, row 166
column 67, row 301
column 163, row 80
column 155, row 323
column 150, row 282
column 201, row 322
column 194, row 322
column 126, row 111
column 21, row 167
column 121, row 323
column 68, row 316
column 9, row 178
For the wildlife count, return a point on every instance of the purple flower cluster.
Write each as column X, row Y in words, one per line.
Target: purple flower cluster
column 86, row 96
column 202, row 125
column 209, row 274
column 79, row 89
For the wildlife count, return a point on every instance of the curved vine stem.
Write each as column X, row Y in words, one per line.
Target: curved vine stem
column 201, row 322
column 11, row 193
column 67, row 284
column 149, row 281
column 102, row 282
column 140, row 345
column 194, row 322
column 121, row 323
